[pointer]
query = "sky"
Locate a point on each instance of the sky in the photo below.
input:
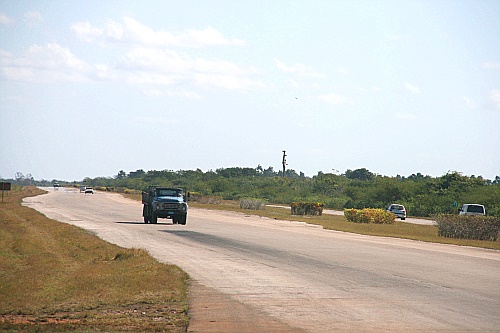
(89, 88)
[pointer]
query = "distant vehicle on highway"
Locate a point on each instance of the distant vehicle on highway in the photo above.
(164, 202)
(398, 210)
(83, 188)
(472, 209)
(89, 190)
(56, 185)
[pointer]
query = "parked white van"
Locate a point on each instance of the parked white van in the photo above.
(472, 209)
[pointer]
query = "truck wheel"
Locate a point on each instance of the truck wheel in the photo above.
(182, 219)
(154, 218)
(146, 219)
(175, 220)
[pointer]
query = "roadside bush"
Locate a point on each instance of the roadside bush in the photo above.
(369, 215)
(255, 204)
(211, 200)
(468, 227)
(307, 208)
(350, 214)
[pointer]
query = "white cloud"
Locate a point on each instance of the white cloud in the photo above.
(184, 94)
(141, 66)
(33, 18)
(86, 32)
(49, 63)
(228, 82)
(299, 69)
(132, 31)
(412, 88)
(495, 98)
(334, 99)
(6, 20)
(168, 67)
(406, 116)
(492, 65)
(151, 92)
(470, 103)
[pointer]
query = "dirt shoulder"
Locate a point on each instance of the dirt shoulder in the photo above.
(213, 311)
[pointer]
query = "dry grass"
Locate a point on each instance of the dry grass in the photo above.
(55, 277)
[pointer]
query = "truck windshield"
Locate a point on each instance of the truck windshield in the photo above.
(169, 193)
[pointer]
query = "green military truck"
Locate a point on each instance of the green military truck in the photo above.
(164, 202)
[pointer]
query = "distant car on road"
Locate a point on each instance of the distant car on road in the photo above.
(56, 185)
(89, 190)
(83, 188)
(472, 209)
(398, 210)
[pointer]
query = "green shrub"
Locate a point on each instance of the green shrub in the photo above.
(307, 208)
(350, 214)
(255, 204)
(369, 215)
(468, 227)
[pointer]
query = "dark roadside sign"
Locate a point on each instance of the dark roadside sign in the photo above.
(4, 186)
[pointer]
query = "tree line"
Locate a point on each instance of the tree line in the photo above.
(360, 188)
(422, 195)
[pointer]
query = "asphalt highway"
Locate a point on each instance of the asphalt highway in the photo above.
(309, 278)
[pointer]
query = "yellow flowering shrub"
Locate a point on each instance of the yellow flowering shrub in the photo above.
(369, 215)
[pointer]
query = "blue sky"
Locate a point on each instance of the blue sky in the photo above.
(398, 87)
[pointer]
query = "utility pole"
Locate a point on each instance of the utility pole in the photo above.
(284, 163)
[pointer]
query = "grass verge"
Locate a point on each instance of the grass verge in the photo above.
(55, 277)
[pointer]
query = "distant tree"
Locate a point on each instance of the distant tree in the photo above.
(121, 175)
(360, 174)
(417, 176)
(21, 179)
(136, 174)
(269, 172)
(236, 172)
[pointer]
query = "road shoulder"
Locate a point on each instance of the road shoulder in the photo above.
(213, 311)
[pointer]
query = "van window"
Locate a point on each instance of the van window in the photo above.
(475, 209)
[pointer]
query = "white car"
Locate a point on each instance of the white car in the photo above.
(89, 190)
(398, 210)
(472, 209)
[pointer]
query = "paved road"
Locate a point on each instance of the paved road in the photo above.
(309, 278)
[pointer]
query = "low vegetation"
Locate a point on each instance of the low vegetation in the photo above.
(468, 227)
(307, 208)
(255, 204)
(369, 215)
(55, 277)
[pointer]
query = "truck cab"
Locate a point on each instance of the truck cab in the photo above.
(164, 202)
